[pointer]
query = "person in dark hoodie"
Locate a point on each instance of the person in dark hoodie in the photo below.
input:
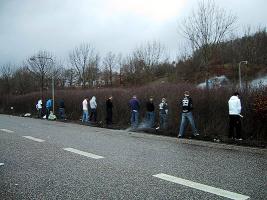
(150, 113)
(61, 110)
(109, 107)
(187, 107)
(135, 107)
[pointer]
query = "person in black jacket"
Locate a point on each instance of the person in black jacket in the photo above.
(109, 107)
(187, 106)
(61, 110)
(163, 114)
(150, 113)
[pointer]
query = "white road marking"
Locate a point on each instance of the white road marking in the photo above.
(1, 164)
(34, 139)
(202, 187)
(83, 153)
(7, 131)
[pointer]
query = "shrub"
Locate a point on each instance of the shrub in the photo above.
(210, 106)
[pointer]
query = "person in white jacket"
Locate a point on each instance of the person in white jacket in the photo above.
(235, 116)
(93, 106)
(85, 110)
(39, 108)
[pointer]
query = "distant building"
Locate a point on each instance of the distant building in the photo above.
(259, 82)
(99, 83)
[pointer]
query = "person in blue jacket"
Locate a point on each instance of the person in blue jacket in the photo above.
(135, 107)
(49, 105)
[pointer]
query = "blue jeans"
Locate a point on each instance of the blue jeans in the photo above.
(163, 121)
(134, 119)
(150, 119)
(85, 116)
(185, 118)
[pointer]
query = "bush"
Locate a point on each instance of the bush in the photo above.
(210, 107)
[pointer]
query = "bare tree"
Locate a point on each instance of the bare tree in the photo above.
(139, 67)
(92, 70)
(70, 76)
(133, 70)
(82, 58)
(110, 62)
(207, 27)
(60, 77)
(23, 81)
(151, 53)
(41, 65)
(6, 76)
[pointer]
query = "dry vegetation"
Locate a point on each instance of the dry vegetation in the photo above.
(210, 107)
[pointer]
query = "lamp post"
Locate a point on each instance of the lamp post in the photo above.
(239, 70)
(53, 82)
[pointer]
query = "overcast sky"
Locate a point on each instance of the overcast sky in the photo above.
(27, 26)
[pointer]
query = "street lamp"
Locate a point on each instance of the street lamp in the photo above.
(239, 69)
(53, 82)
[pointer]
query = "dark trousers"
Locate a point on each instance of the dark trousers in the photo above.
(39, 113)
(47, 112)
(93, 115)
(61, 112)
(109, 117)
(234, 125)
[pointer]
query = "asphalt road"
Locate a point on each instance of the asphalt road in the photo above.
(68, 161)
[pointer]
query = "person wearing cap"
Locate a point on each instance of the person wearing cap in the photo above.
(135, 107)
(235, 116)
(163, 114)
(187, 106)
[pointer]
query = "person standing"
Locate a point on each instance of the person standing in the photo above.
(135, 107)
(39, 108)
(109, 107)
(61, 110)
(49, 105)
(150, 114)
(187, 107)
(85, 110)
(93, 105)
(235, 116)
(163, 114)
